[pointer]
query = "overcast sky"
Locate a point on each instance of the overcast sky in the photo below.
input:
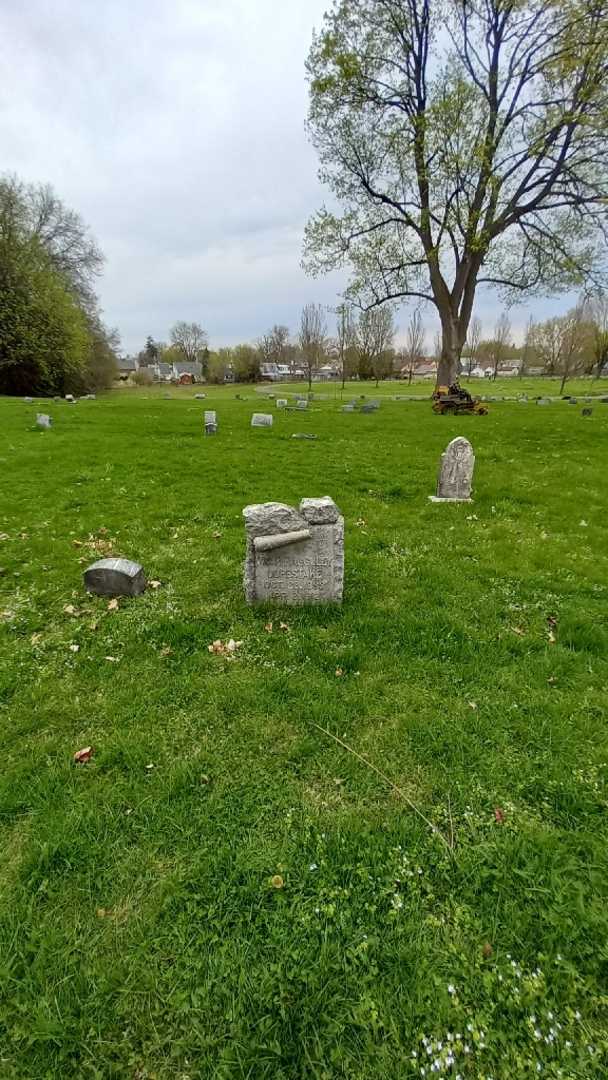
(176, 129)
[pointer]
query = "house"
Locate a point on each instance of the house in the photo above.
(163, 372)
(328, 371)
(476, 373)
(424, 369)
(269, 372)
(187, 372)
(127, 367)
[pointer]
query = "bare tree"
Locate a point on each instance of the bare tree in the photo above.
(598, 314)
(312, 338)
(528, 347)
(375, 335)
(500, 342)
(414, 344)
(190, 339)
(562, 342)
(475, 155)
(346, 338)
(473, 339)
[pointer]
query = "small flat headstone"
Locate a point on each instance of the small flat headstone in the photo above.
(455, 472)
(543, 401)
(303, 435)
(28, 400)
(369, 407)
(260, 419)
(302, 403)
(210, 422)
(281, 403)
(115, 577)
(70, 398)
(573, 401)
(200, 397)
(43, 420)
(348, 408)
(587, 412)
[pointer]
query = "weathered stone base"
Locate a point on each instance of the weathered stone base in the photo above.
(437, 498)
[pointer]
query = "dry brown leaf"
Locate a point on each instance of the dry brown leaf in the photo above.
(81, 757)
(76, 543)
(94, 626)
(69, 609)
(113, 604)
(499, 815)
(228, 649)
(552, 638)
(74, 648)
(154, 584)
(487, 950)
(35, 638)
(284, 626)
(339, 672)
(166, 651)
(217, 535)
(277, 881)
(113, 659)
(472, 704)
(268, 627)
(518, 630)
(101, 912)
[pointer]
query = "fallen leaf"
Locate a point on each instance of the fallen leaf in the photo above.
(487, 950)
(150, 766)
(94, 626)
(113, 604)
(339, 672)
(69, 609)
(268, 627)
(4, 536)
(552, 620)
(155, 584)
(6, 614)
(552, 638)
(81, 757)
(518, 630)
(277, 881)
(217, 535)
(76, 543)
(113, 659)
(583, 524)
(472, 704)
(205, 779)
(166, 651)
(101, 912)
(220, 649)
(499, 815)
(552, 679)
(35, 638)
(284, 626)
(74, 648)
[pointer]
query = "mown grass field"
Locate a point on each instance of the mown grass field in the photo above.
(226, 892)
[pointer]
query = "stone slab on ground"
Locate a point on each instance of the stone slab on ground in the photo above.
(115, 577)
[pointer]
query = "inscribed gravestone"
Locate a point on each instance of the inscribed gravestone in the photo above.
(210, 422)
(455, 472)
(302, 403)
(281, 403)
(294, 556)
(43, 420)
(260, 419)
(115, 577)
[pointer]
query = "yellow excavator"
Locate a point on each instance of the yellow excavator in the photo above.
(454, 399)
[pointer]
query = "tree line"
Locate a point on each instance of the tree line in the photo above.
(52, 336)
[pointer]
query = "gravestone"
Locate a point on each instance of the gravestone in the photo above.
(43, 420)
(294, 556)
(210, 422)
(260, 419)
(281, 403)
(543, 401)
(302, 435)
(300, 397)
(302, 403)
(370, 406)
(115, 577)
(455, 472)
(28, 400)
(70, 398)
(587, 412)
(348, 408)
(200, 397)
(573, 401)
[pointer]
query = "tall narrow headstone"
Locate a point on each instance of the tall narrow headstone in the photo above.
(294, 556)
(210, 422)
(455, 472)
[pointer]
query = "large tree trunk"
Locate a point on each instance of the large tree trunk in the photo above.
(452, 341)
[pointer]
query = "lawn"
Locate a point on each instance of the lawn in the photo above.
(225, 891)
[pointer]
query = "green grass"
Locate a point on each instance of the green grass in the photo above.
(140, 933)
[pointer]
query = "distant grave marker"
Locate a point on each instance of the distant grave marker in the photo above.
(260, 419)
(210, 422)
(43, 420)
(281, 403)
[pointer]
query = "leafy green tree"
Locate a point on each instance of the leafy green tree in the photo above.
(464, 142)
(246, 363)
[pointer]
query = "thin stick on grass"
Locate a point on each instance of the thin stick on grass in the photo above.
(388, 781)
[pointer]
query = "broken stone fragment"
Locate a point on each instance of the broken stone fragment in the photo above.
(319, 511)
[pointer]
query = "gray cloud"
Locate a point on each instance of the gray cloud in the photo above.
(177, 130)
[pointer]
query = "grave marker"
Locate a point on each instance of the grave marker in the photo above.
(43, 420)
(210, 422)
(115, 577)
(260, 419)
(294, 556)
(455, 472)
